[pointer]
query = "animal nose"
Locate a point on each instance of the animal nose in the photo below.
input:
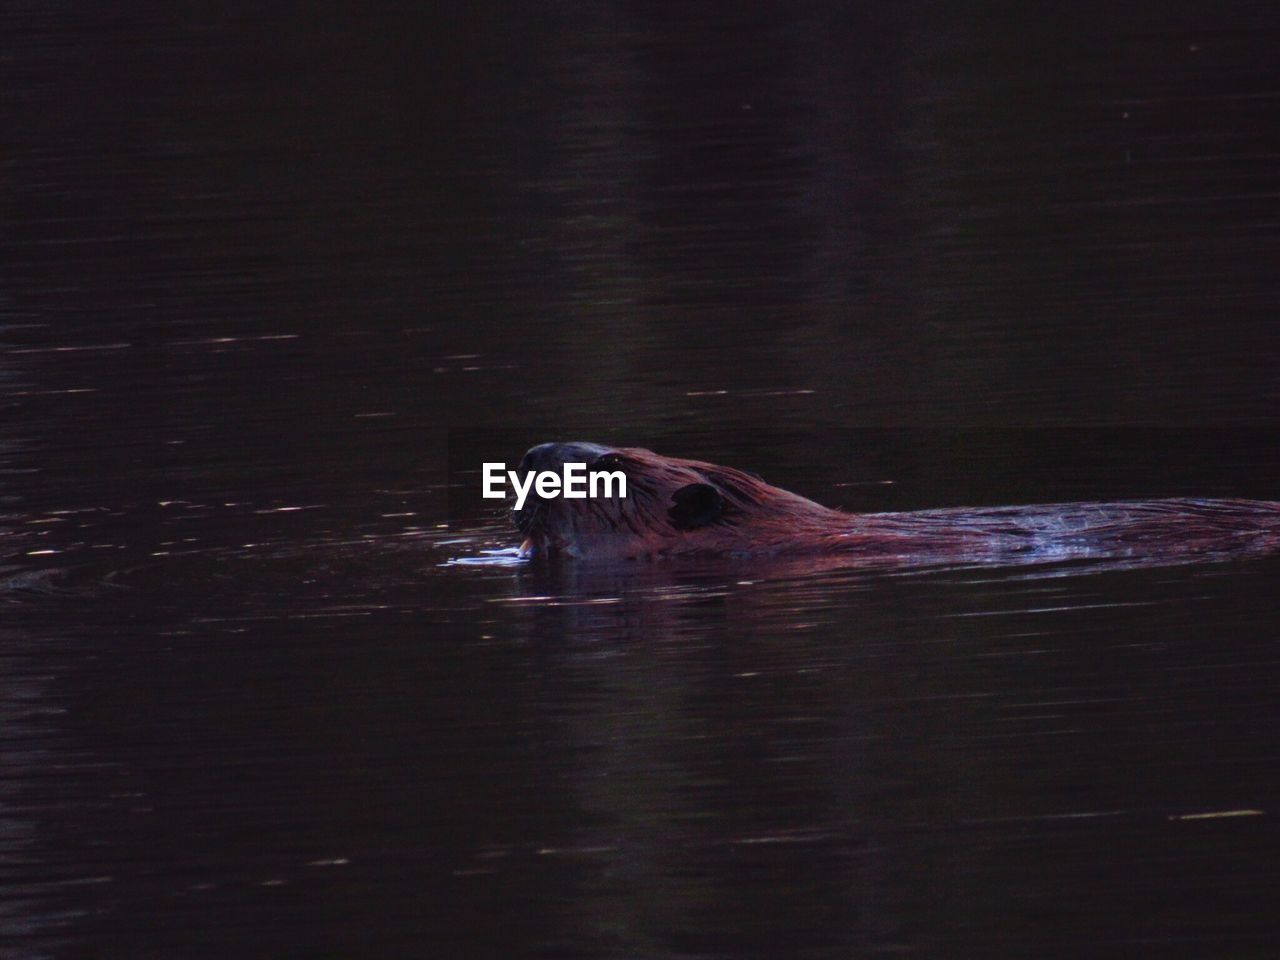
(541, 457)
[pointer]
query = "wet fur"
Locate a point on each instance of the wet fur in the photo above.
(679, 507)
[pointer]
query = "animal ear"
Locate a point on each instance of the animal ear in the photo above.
(695, 505)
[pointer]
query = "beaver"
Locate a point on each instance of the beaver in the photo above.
(677, 507)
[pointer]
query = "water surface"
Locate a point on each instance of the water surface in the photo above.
(275, 282)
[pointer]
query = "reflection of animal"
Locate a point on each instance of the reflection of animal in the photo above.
(685, 507)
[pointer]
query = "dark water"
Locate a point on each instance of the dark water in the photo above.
(275, 280)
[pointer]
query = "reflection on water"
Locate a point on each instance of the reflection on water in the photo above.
(266, 279)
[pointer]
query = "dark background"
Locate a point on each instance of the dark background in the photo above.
(275, 279)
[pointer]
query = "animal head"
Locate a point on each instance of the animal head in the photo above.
(672, 506)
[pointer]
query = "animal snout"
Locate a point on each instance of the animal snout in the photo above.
(553, 456)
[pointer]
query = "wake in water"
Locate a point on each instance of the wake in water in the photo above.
(1143, 533)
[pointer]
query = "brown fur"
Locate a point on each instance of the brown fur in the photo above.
(681, 507)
